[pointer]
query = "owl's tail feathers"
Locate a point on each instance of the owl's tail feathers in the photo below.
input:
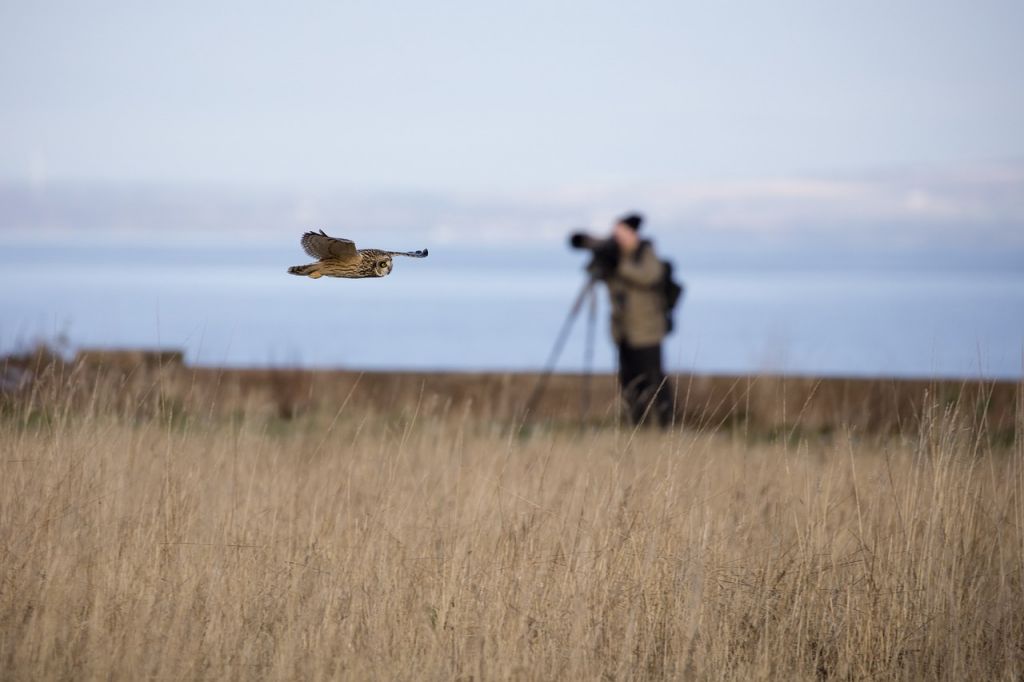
(311, 270)
(422, 253)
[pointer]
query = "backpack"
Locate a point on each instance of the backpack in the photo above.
(673, 292)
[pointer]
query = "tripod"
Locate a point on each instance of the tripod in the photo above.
(587, 295)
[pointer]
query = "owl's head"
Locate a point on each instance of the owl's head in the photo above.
(381, 266)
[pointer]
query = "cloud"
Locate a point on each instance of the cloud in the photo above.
(968, 196)
(906, 206)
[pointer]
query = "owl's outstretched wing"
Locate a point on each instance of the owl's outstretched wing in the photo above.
(422, 253)
(320, 245)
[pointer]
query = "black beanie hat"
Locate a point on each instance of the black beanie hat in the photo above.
(632, 220)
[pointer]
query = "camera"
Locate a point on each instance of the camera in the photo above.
(604, 254)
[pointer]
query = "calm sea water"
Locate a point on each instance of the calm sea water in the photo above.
(467, 310)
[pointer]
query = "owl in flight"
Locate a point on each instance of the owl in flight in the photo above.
(340, 258)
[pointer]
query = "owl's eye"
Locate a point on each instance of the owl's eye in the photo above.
(382, 264)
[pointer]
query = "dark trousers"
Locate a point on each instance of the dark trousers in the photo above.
(647, 395)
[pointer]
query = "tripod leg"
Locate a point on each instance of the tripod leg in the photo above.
(563, 336)
(588, 356)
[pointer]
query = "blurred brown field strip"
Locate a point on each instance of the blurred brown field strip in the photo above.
(757, 404)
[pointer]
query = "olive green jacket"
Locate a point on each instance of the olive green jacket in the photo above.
(637, 300)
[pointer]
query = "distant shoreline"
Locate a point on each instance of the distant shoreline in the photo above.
(714, 374)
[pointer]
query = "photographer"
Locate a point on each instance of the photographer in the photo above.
(634, 275)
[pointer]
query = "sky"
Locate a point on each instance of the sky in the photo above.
(503, 99)
(876, 144)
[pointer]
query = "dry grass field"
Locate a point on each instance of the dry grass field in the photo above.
(194, 540)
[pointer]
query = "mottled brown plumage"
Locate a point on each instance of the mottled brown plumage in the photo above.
(340, 258)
